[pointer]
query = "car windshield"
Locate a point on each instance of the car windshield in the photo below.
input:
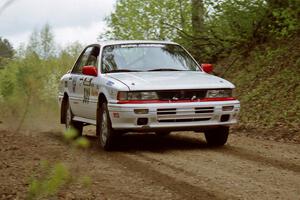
(146, 57)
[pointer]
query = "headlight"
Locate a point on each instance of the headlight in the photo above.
(137, 96)
(219, 93)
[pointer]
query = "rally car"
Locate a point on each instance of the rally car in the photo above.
(145, 86)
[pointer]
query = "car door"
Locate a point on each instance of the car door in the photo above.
(75, 84)
(89, 82)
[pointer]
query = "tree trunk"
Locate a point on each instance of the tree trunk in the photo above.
(182, 19)
(198, 27)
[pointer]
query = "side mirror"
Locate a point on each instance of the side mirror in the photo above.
(208, 68)
(89, 70)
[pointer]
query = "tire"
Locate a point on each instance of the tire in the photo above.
(217, 136)
(106, 134)
(70, 123)
(162, 133)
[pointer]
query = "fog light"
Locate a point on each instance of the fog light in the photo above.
(225, 118)
(141, 111)
(142, 121)
(227, 108)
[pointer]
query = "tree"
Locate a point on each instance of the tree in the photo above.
(198, 29)
(151, 19)
(42, 43)
(6, 51)
(209, 29)
(283, 17)
(197, 17)
(181, 21)
(47, 42)
(73, 49)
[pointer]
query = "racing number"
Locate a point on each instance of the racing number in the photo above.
(86, 95)
(87, 90)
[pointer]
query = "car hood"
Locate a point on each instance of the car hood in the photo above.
(170, 80)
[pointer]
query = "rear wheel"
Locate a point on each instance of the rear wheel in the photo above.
(217, 136)
(107, 135)
(70, 124)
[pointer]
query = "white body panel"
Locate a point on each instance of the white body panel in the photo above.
(128, 119)
(171, 80)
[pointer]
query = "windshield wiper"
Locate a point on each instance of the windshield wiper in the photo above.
(164, 69)
(122, 70)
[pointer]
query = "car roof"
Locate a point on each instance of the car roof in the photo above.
(115, 42)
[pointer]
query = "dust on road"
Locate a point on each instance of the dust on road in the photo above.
(146, 166)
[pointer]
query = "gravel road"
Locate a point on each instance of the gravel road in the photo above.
(146, 166)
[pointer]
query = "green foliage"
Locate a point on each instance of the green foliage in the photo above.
(286, 22)
(284, 17)
(268, 86)
(6, 49)
(29, 81)
(236, 20)
(6, 52)
(70, 134)
(42, 43)
(151, 19)
(7, 83)
(72, 51)
(82, 142)
(211, 32)
(55, 178)
(52, 179)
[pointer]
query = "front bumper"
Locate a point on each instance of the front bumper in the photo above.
(174, 116)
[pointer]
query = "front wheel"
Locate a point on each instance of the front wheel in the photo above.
(70, 124)
(106, 133)
(217, 136)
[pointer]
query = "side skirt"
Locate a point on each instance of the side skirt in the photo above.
(85, 120)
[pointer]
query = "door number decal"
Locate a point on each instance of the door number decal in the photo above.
(87, 90)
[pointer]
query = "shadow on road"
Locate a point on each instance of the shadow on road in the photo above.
(154, 143)
(135, 143)
(146, 142)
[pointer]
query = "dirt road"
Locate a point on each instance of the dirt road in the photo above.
(180, 166)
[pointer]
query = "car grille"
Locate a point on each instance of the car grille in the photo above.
(181, 94)
(184, 114)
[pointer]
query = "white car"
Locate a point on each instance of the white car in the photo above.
(145, 86)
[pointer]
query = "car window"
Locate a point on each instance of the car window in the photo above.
(146, 57)
(82, 61)
(88, 58)
(93, 57)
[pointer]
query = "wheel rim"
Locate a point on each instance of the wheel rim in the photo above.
(104, 128)
(68, 118)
